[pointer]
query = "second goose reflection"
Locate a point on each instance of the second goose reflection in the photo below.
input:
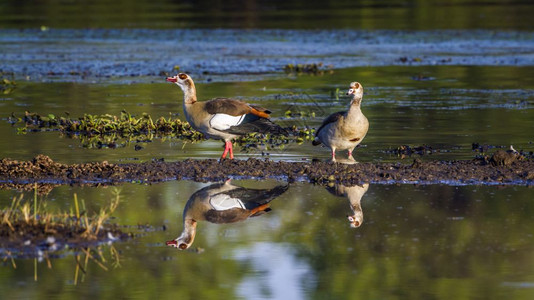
(354, 194)
(223, 203)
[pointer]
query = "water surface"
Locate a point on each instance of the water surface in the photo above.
(455, 107)
(388, 14)
(415, 242)
(107, 55)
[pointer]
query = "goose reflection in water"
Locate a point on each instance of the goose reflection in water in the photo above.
(355, 194)
(223, 203)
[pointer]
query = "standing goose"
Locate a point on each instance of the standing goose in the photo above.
(344, 130)
(223, 118)
(222, 203)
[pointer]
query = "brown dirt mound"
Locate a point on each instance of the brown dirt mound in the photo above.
(44, 170)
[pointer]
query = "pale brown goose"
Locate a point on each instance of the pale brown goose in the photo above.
(223, 118)
(223, 203)
(346, 129)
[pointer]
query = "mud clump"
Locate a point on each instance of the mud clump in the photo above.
(503, 158)
(43, 170)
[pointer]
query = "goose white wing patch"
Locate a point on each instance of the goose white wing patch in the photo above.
(224, 121)
(225, 202)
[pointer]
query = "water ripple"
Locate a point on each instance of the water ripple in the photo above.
(86, 54)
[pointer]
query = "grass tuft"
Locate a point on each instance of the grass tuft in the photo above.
(18, 225)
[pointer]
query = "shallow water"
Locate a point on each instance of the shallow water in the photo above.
(457, 106)
(443, 88)
(415, 242)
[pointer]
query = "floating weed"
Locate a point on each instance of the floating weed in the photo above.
(337, 93)
(111, 131)
(313, 69)
(7, 82)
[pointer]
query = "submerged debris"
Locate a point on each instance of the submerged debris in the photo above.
(406, 150)
(483, 148)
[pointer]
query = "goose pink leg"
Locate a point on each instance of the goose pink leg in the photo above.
(231, 150)
(228, 149)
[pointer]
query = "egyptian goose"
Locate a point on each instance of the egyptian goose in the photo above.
(223, 118)
(346, 129)
(355, 194)
(223, 203)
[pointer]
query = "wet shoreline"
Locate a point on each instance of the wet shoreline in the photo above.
(46, 173)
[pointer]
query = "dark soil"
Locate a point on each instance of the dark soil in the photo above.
(484, 170)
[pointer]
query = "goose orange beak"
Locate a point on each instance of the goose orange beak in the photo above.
(172, 243)
(172, 79)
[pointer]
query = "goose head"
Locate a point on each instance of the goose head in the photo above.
(355, 220)
(185, 240)
(183, 80)
(356, 90)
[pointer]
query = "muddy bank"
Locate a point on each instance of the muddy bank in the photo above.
(43, 170)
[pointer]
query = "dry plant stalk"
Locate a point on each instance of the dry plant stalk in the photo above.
(20, 211)
(26, 212)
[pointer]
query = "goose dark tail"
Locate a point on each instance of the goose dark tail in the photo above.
(255, 197)
(316, 142)
(256, 124)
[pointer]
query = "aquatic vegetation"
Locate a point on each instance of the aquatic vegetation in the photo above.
(299, 114)
(124, 124)
(111, 131)
(313, 69)
(7, 82)
(29, 227)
